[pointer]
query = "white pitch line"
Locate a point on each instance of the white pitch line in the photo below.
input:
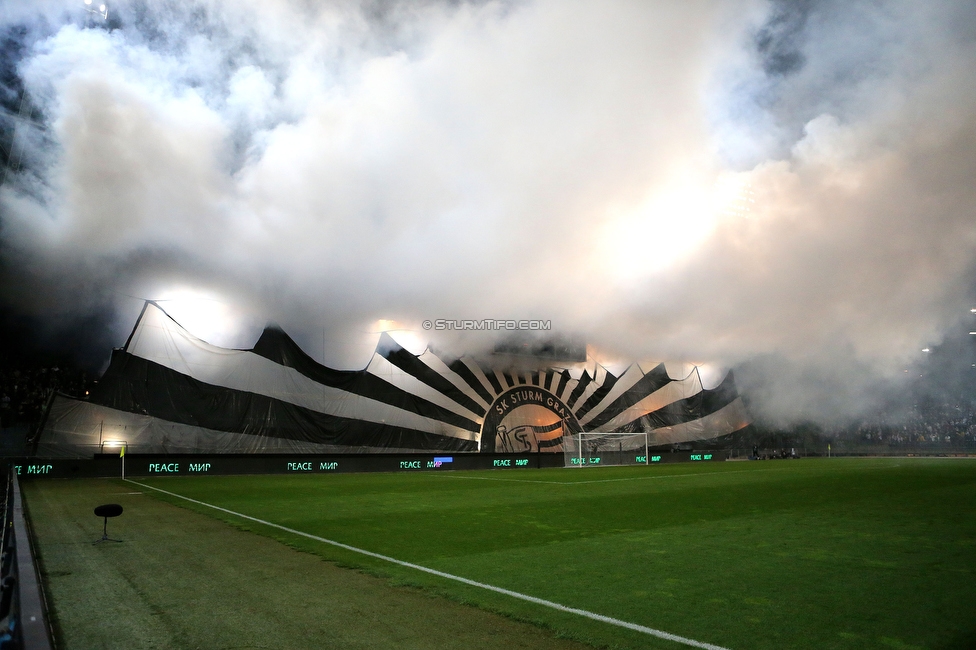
(514, 594)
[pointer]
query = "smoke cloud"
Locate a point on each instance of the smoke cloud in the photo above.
(778, 186)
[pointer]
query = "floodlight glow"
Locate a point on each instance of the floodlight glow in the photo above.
(205, 314)
(407, 337)
(112, 443)
(925, 350)
(677, 216)
(101, 8)
(88, 2)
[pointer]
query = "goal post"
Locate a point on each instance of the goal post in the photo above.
(588, 448)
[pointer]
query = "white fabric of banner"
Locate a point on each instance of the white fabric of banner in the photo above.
(671, 392)
(631, 376)
(159, 339)
(727, 419)
(434, 362)
(382, 368)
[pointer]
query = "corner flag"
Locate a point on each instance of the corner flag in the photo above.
(122, 452)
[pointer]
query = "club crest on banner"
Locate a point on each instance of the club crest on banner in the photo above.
(527, 419)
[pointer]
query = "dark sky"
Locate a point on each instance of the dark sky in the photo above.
(781, 187)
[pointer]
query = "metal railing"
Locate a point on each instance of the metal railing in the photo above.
(23, 624)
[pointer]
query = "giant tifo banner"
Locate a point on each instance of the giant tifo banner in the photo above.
(167, 391)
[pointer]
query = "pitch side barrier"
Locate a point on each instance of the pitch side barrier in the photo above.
(23, 621)
(142, 465)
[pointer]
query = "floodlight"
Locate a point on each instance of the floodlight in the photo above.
(101, 8)
(925, 350)
(88, 2)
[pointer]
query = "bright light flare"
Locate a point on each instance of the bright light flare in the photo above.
(711, 375)
(385, 325)
(407, 337)
(206, 315)
(671, 223)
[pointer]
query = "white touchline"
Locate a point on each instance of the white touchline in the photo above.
(514, 594)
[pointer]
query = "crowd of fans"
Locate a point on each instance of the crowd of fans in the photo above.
(24, 392)
(940, 425)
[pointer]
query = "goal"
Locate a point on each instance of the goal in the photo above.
(585, 449)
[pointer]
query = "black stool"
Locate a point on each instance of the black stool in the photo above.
(107, 510)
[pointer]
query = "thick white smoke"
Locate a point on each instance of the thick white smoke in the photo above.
(698, 181)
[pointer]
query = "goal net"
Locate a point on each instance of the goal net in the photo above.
(584, 449)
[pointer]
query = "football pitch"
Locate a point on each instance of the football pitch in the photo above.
(826, 553)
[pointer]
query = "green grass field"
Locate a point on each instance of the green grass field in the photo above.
(842, 553)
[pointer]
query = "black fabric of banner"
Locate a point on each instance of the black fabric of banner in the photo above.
(136, 385)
